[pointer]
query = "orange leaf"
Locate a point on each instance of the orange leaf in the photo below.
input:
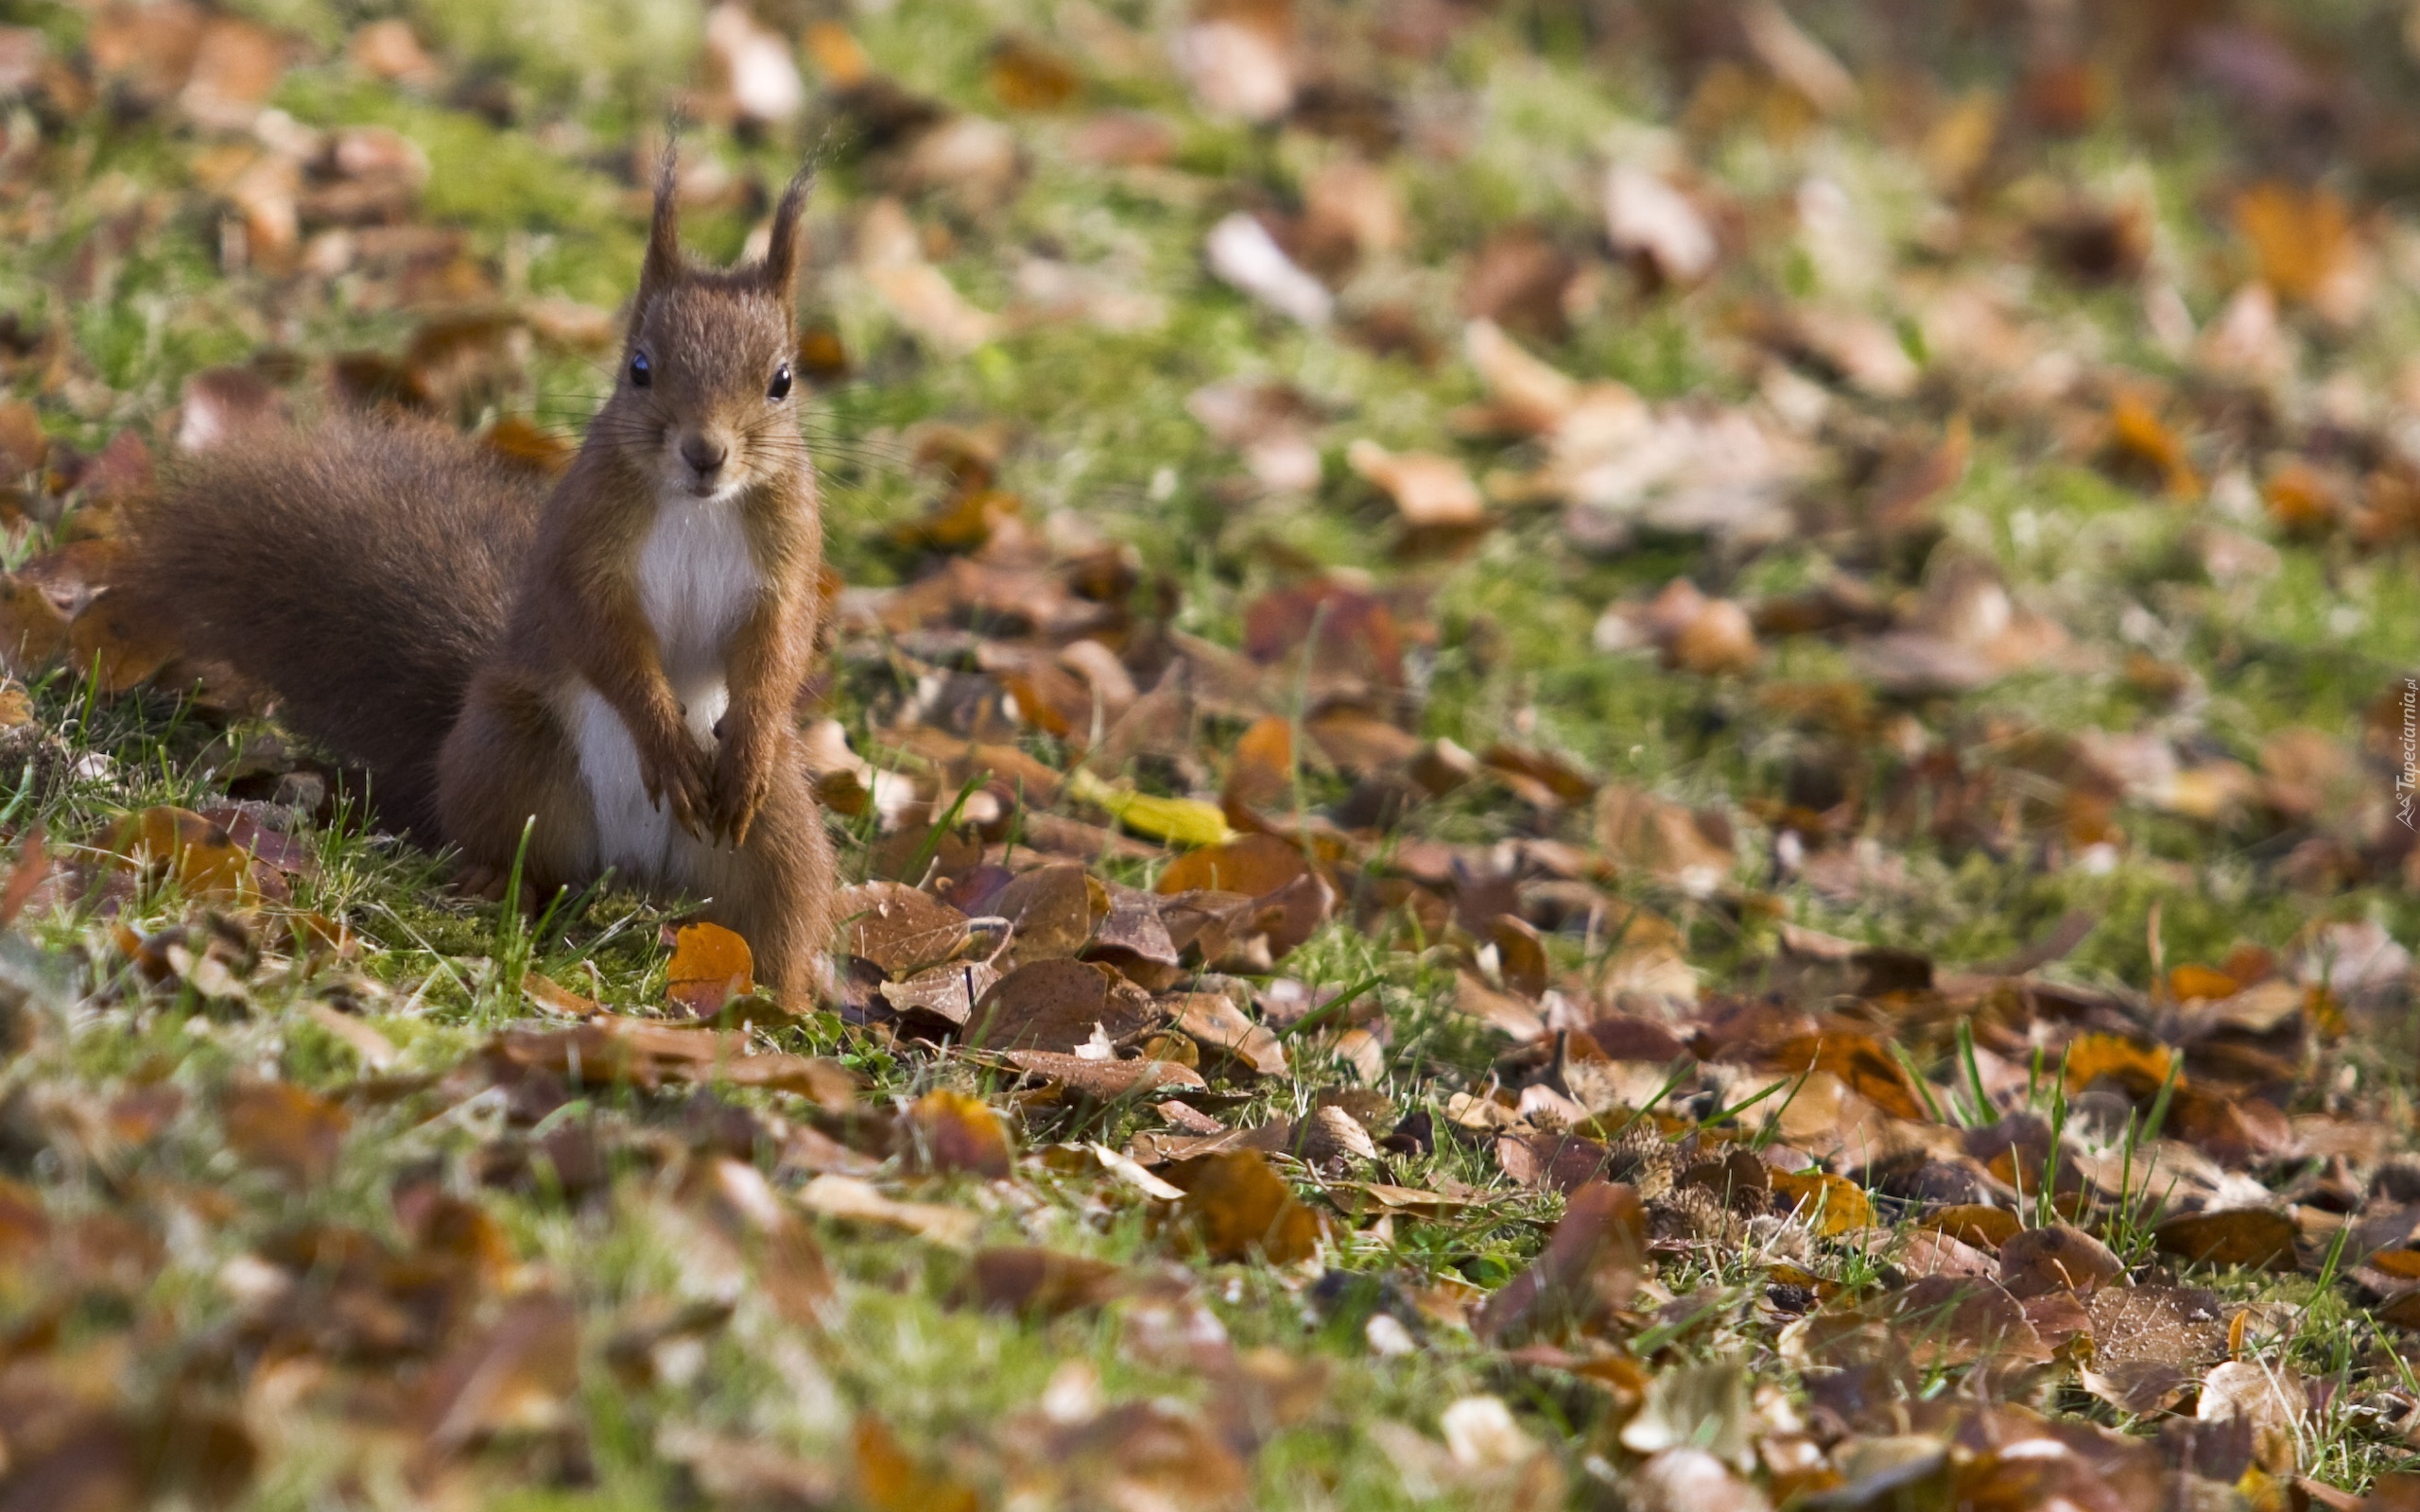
(1026, 78)
(32, 630)
(1256, 866)
(959, 1133)
(198, 854)
(2139, 435)
(1843, 1204)
(109, 641)
(2187, 983)
(1263, 767)
(2299, 239)
(710, 967)
(889, 1481)
(2140, 1068)
(1859, 1060)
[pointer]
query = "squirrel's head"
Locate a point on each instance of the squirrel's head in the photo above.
(706, 391)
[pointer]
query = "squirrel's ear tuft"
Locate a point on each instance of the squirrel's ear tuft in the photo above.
(664, 232)
(781, 251)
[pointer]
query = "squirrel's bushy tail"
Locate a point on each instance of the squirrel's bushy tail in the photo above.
(359, 571)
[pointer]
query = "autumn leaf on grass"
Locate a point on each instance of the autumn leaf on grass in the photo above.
(114, 645)
(1255, 866)
(280, 1126)
(1431, 493)
(1705, 1406)
(1708, 636)
(2140, 440)
(2239, 1236)
(889, 1481)
(1239, 1206)
(2039, 1262)
(1184, 822)
(1039, 1282)
(1833, 1204)
(555, 998)
(855, 1201)
(955, 1132)
(2305, 244)
(199, 855)
(1861, 1061)
(1025, 75)
(1591, 1265)
(710, 967)
(2140, 1068)
(518, 1375)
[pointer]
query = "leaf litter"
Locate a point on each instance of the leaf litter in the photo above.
(1671, 754)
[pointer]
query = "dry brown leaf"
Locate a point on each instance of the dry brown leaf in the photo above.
(859, 1201)
(1106, 1081)
(1212, 1020)
(520, 1374)
(1025, 75)
(197, 855)
(889, 1481)
(1056, 1005)
(901, 929)
(1239, 1208)
(2039, 1262)
(1592, 1264)
(280, 1126)
(1859, 1060)
(1431, 493)
(555, 997)
(2241, 1236)
(1040, 1282)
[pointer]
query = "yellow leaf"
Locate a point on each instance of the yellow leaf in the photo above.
(1185, 821)
(1834, 1204)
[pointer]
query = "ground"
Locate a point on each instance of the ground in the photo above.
(1643, 754)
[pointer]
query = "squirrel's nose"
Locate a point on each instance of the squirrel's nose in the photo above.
(702, 453)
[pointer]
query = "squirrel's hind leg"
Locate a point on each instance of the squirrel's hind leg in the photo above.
(508, 769)
(779, 888)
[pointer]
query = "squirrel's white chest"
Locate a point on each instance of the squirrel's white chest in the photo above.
(697, 582)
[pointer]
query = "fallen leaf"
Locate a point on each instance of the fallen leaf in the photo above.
(1834, 1205)
(1040, 1282)
(1431, 493)
(2241, 1236)
(280, 1126)
(1592, 1263)
(1240, 1208)
(889, 1481)
(520, 1374)
(959, 1133)
(1241, 252)
(710, 967)
(858, 1201)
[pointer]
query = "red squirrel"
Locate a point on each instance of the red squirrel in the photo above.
(610, 664)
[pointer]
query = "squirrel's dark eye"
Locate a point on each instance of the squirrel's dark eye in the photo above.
(781, 386)
(642, 372)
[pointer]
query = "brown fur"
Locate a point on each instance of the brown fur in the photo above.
(362, 572)
(508, 762)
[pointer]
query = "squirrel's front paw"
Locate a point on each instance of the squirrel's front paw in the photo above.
(740, 782)
(679, 777)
